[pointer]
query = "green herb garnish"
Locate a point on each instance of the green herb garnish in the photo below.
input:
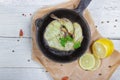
(64, 40)
(69, 38)
(76, 45)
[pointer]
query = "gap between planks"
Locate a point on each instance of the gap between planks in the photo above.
(14, 37)
(31, 37)
(22, 67)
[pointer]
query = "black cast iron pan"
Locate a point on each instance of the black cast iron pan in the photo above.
(73, 15)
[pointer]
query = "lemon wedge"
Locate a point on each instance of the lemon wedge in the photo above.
(87, 61)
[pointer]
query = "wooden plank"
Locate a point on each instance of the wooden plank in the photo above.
(106, 17)
(31, 2)
(116, 75)
(11, 18)
(17, 65)
(23, 74)
(16, 52)
(34, 74)
(117, 44)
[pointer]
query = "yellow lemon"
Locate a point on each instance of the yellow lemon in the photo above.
(97, 64)
(103, 48)
(87, 61)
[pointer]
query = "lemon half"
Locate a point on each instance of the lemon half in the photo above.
(103, 48)
(99, 49)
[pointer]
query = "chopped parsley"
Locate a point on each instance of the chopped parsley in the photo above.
(64, 40)
(76, 45)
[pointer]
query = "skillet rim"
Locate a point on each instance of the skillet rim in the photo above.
(42, 20)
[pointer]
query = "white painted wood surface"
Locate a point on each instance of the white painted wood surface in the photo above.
(15, 53)
(23, 74)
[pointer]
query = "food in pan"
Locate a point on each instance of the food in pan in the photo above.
(63, 34)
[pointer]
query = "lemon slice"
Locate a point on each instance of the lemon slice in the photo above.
(97, 64)
(103, 48)
(87, 61)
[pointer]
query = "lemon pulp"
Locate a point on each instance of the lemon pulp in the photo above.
(87, 61)
(97, 64)
(99, 50)
(103, 48)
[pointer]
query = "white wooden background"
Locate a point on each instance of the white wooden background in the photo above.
(15, 52)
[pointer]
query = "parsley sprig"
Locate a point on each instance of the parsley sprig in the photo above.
(64, 40)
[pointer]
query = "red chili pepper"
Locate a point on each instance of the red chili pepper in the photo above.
(65, 78)
(21, 33)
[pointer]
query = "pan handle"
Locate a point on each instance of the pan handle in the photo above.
(82, 6)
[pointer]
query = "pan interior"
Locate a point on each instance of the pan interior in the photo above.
(63, 56)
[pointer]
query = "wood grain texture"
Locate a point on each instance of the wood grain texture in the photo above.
(16, 52)
(31, 2)
(107, 10)
(23, 74)
(22, 52)
(106, 14)
(11, 20)
(56, 70)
